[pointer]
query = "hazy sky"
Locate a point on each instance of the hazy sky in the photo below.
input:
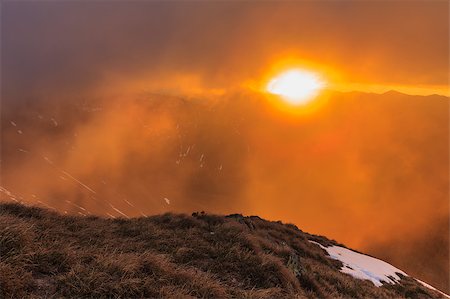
(217, 45)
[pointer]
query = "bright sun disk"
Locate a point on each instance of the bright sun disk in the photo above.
(296, 86)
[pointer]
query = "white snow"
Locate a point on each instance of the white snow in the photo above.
(78, 181)
(129, 203)
(8, 193)
(55, 123)
(118, 211)
(431, 287)
(363, 266)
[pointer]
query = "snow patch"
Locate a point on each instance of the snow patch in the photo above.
(432, 288)
(363, 266)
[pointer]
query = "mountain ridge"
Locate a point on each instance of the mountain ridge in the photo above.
(48, 255)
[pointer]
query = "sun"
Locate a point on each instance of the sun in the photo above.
(296, 87)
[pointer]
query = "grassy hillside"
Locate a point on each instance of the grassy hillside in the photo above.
(47, 255)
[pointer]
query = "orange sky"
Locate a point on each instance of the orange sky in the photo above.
(360, 45)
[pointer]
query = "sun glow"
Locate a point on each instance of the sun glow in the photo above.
(296, 87)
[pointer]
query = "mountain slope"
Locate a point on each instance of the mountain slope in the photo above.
(44, 254)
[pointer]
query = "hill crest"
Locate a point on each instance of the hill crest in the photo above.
(45, 254)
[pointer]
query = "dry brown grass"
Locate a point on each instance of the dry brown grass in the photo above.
(46, 255)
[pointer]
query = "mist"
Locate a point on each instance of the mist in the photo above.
(358, 170)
